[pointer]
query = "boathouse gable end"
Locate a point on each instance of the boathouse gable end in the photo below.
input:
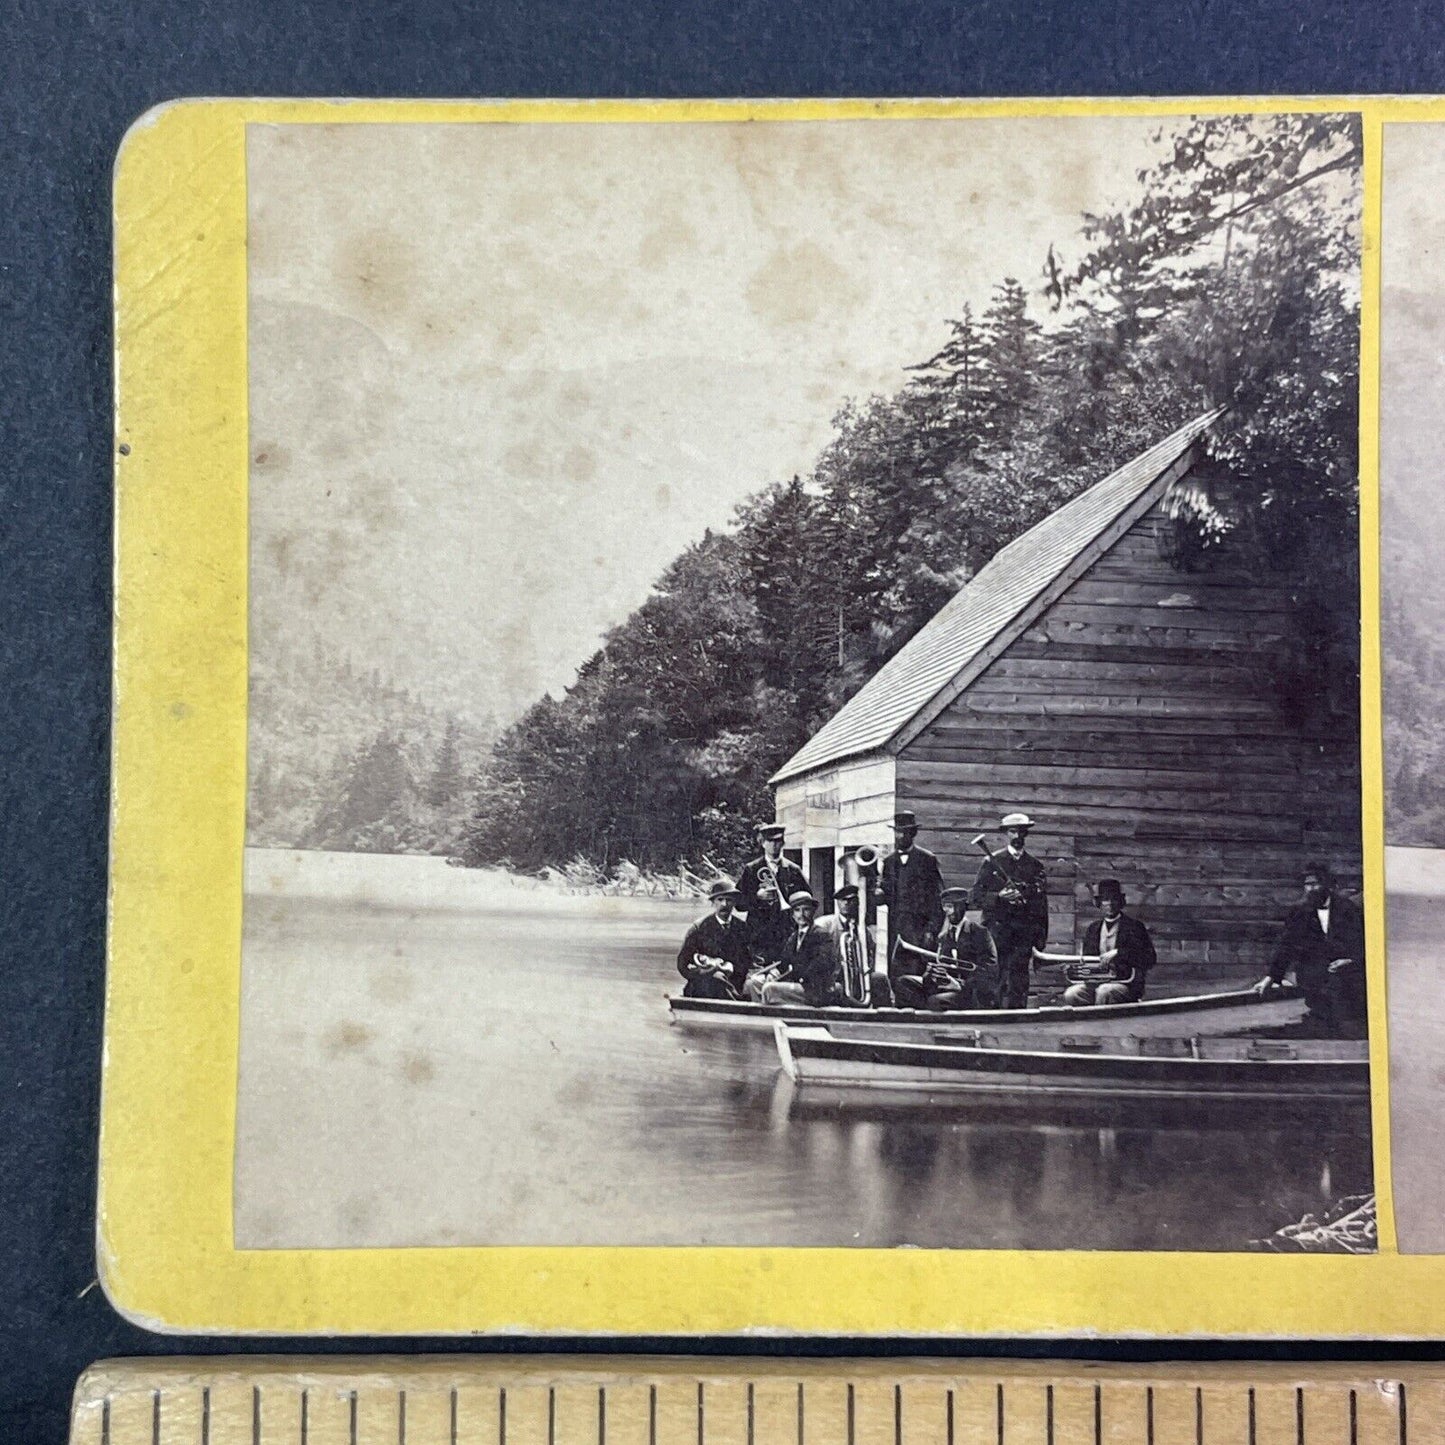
(1135, 706)
(1139, 718)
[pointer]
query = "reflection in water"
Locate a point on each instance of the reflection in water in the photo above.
(557, 1104)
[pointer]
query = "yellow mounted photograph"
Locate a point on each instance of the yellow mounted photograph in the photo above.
(778, 717)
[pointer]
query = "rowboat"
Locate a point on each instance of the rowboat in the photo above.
(1157, 1067)
(1240, 1011)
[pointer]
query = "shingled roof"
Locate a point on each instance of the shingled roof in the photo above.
(1012, 580)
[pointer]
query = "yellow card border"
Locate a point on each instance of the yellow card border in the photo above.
(168, 1114)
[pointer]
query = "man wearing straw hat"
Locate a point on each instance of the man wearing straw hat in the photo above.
(1013, 892)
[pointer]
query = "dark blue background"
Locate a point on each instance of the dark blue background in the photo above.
(71, 79)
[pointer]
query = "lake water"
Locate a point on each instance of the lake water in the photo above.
(432, 1055)
(1415, 921)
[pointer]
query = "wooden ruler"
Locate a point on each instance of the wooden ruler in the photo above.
(536, 1400)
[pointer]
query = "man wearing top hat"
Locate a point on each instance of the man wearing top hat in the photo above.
(765, 901)
(912, 889)
(1012, 890)
(964, 970)
(714, 956)
(1122, 945)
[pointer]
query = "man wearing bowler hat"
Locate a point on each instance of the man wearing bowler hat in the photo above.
(912, 889)
(810, 970)
(714, 955)
(1013, 892)
(766, 884)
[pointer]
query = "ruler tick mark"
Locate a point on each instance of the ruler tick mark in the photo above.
(998, 1410)
(898, 1415)
(750, 1412)
(255, 1415)
(1198, 1416)
(1149, 1414)
(1049, 1414)
(652, 1415)
(206, 1415)
(1251, 1416)
(155, 1417)
(1354, 1418)
(851, 1436)
(1098, 1415)
(800, 1414)
(1299, 1416)
(949, 1416)
(502, 1416)
(305, 1414)
(105, 1421)
(552, 1416)
(602, 1415)
(352, 1430)
(1404, 1429)
(700, 1421)
(454, 1415)
(401, 1417)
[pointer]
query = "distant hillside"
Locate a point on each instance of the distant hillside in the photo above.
(1412, 467)
(340, 758)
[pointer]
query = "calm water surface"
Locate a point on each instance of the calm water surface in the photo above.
(431, 1057)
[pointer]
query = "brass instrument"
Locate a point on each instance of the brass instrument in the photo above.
(857, 977)
(1012, 892)
(768, 877)
(1079, 967)
(935, 956)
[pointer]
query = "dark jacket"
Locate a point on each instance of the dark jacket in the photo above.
(767, 922)
(708, 936)
(1308, 951)
(913, 893)
(974, 944)
(1028, 919)
(1134, 952)
(817, 963)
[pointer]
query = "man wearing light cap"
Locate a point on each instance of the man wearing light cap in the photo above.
(1013, 892)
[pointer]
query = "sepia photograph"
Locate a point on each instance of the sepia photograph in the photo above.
(1412, 600)
(804, 684)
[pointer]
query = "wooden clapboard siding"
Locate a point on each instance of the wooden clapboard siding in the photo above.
(1139, 719)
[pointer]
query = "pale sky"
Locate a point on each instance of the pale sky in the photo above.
(501, 374)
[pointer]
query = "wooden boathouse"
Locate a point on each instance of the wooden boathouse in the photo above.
(1150, 704)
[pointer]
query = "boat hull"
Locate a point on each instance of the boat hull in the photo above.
(1310, 1070)
(1241, 1011)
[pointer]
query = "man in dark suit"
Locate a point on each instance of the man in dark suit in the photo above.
(912, 890)
(964, 971)
(1323, 944)
(766, 902)
(809, 971)
(1122, 945)
(714, 956)
(1013, 893)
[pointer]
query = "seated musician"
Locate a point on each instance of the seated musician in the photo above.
(1323, 943)
(714, 956)
(1124, 950)
(809, 971)
(963, 969)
